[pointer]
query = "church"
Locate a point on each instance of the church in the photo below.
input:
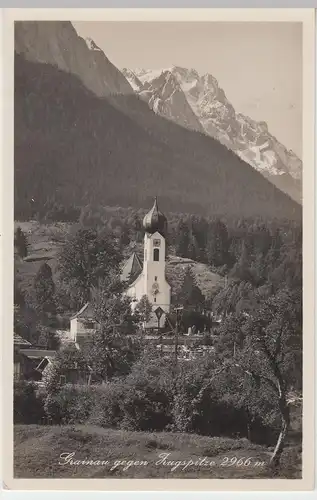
(149, 279)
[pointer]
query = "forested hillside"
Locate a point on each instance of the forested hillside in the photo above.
(75, 148)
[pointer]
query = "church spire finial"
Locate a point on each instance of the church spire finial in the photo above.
(155, 220)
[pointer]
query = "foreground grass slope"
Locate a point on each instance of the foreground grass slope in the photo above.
(37, 451)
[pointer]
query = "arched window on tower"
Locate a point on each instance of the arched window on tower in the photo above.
(156, 254)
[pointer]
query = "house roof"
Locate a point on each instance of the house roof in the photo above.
(20, 341)
(85, 312)
(132, 268)
(37, 353)
(38, 257)
(134, 282)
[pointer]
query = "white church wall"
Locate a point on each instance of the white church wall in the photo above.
(157, 288)
(73, 329)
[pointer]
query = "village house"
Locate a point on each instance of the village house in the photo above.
(27, 359)
(73, 374)
(82, 325)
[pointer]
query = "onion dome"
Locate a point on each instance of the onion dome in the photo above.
(155, 221)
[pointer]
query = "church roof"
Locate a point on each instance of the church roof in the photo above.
(132, 268)
(155, 221)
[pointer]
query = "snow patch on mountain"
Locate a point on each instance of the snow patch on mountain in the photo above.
(175, 92)
(92, 45)
(164, 95)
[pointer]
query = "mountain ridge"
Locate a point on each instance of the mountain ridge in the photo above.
(182, 95)
(250, 139)
(57, 43)
(81, 149)
(82, 135)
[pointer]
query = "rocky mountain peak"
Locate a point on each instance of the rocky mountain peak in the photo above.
(177, 93)
(163, 93)
(57, 43)
(249, 139)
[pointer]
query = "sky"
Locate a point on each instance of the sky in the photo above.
(258, 64)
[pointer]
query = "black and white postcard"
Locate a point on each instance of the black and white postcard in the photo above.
(158, 241)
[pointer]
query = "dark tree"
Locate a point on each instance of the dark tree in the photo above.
(124, 236)
(277, 244)
(183, 239)
(266, 349)
(194, 252)
(47, 338)
(137, 228)
(218, 244)
(87, 258)
(20, 243)
(44, 291)
(190, 295)
(112, 350)
(242, 269)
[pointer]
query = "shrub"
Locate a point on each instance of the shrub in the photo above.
(28, 405)
(194, 409)
(106, 410)
(145, 407)
(147, 394)
(71, 404)
(155, 397)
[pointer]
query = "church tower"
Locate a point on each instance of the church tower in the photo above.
(157, 290)
(152, 281)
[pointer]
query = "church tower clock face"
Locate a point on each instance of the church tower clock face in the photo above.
(155, 288)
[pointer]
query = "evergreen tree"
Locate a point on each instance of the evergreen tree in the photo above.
(47, 338)
(277, 244)
(137, 228)
(25, 322)
(20, 243)
(190, 295)
(241, 270)
(258, 269)
(193, 249)
(262, 238)
(124, 236)
(183, 239)
(44, 291)
(200, 230)
(19, 299)
(218, 244)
